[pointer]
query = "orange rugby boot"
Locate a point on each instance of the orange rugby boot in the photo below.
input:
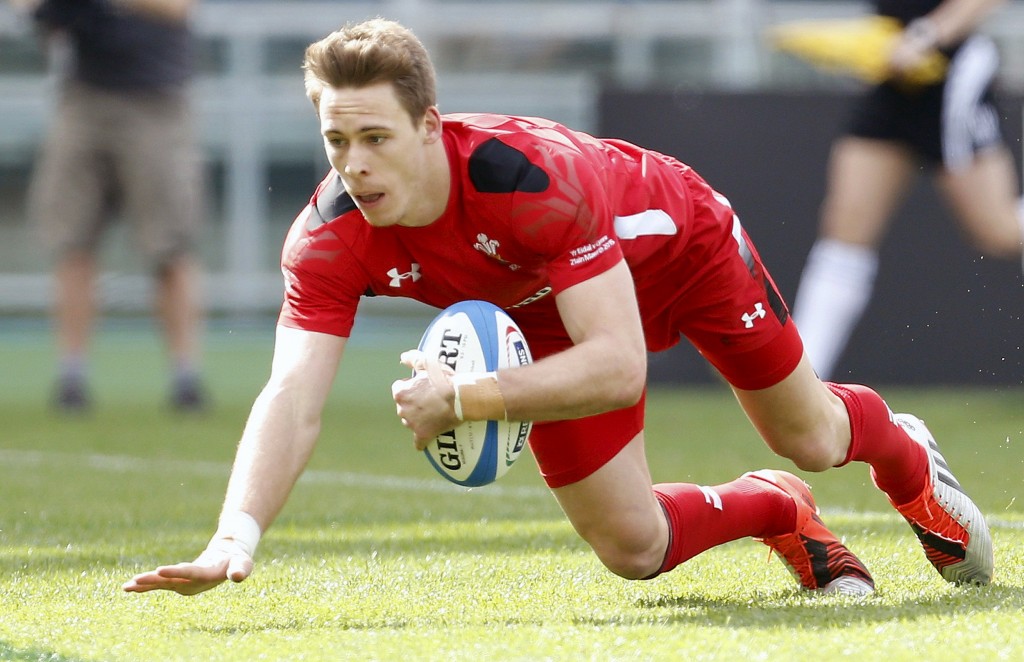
(812, 553)
(951, 529)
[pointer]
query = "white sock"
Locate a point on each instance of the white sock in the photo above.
(834, 291)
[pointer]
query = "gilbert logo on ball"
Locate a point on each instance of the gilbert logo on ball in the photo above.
(471, 337)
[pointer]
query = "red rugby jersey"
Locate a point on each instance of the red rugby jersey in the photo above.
(534, 208)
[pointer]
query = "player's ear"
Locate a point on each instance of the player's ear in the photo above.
(432, 125)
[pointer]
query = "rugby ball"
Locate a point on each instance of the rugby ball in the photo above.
(476, 336)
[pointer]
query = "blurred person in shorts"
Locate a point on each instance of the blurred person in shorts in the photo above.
(122, 140)
(951, 127)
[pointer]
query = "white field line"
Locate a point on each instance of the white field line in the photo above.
(124, 464)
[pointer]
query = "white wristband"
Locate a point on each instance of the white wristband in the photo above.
(459, 380)
(241, 527)
(482, 398)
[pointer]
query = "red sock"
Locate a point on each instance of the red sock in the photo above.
(900, 464)
(700, 518)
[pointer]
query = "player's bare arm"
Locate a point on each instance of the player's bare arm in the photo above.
(284, 424)
(605, 369)
(278, 440)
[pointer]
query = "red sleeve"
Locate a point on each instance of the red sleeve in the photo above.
(321, 287)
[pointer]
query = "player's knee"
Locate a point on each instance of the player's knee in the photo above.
(629, 557)
(817, 440)
(630, 565)
(811, 451)
(812, 459)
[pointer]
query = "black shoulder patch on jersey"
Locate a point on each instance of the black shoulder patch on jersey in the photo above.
(494, 167)
(332, 202)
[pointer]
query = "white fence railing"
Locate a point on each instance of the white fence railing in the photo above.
(251, 117)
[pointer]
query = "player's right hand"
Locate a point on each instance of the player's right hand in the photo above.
(222, 559)
(424, 402)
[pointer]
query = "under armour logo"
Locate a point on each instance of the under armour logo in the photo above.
(397, 278)
(748, 318)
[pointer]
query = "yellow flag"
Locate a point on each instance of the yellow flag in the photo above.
(858, 47)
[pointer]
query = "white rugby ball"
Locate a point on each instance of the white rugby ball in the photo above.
(476, 336)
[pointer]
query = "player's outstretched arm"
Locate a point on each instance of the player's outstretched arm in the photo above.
(278, 440)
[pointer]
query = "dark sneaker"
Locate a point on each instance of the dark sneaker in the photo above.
(951, 529)
(71, 396)
(188, 395)
(812, 553)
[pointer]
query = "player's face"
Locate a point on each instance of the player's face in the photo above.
(383, 156)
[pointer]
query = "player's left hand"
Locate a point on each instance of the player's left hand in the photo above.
(424, 402)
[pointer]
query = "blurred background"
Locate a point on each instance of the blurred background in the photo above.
(694, 78)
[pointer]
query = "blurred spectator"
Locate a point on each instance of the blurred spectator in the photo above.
(122, 137)
(951, 126)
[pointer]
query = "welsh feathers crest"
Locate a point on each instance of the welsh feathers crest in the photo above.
(489, 247)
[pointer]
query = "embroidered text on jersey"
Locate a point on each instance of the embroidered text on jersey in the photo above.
(588, 252)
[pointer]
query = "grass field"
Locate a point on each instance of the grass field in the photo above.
(376, 558)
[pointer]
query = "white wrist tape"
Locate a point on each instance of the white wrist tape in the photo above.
(240, 527)
(478, 397)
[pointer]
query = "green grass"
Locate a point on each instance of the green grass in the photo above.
(377, 558)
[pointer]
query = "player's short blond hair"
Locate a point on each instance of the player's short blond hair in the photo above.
(374, 51)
